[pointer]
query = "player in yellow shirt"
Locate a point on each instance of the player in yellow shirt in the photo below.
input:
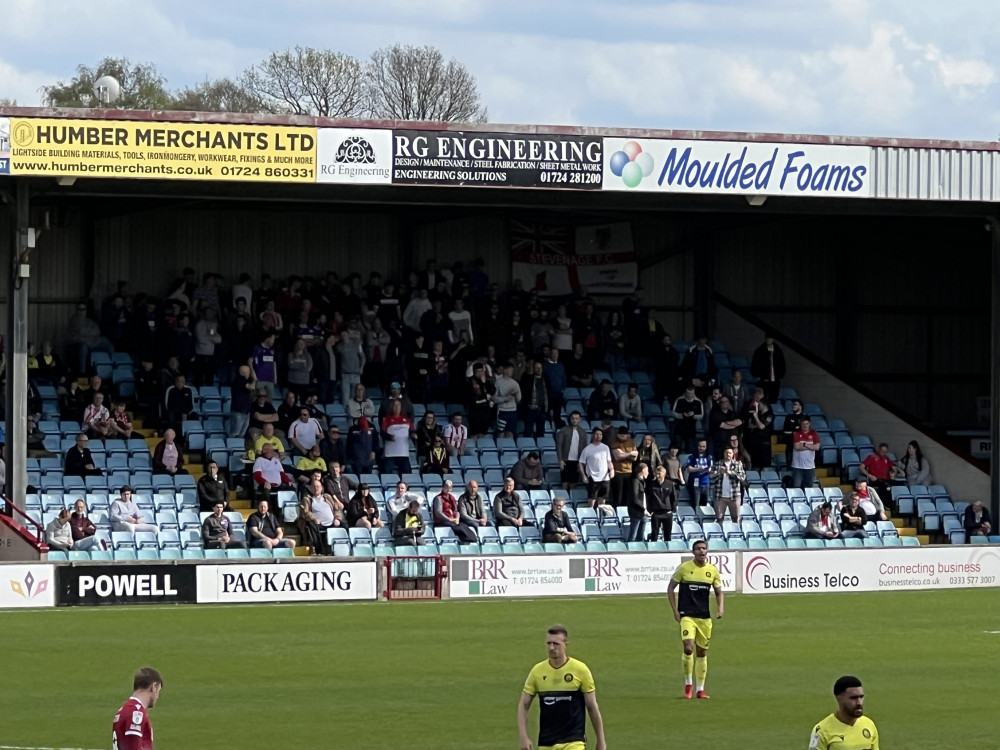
(565, 688)
(695, 578)
(848, 728)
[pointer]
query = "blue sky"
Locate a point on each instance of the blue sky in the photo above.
(905, 68)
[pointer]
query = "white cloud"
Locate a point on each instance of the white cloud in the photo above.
(21, 86)
(968, 77)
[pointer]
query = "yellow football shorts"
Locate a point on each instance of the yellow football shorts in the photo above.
(565, 746)
(697, 629)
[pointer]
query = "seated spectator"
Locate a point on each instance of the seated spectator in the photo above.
(603, 402)
(212, 488)
(427, 431)
(168, 458)
(305, 432)
(309, 463)
(438, 461)
(913, 467)
(977, 521)
(363, 446)
(456, 435)
(362, 511)
(34, 439)
(72, 402)
(408, 526)
(507, 506)
(217, 530)
(330, 447)
(359, 405)
(126, 516)
(264, 530)
(853, 518)
(726, 479)
(822, 523)
(879, 470)
(262, 412)
(96, 418)
(318, 511)
(98, 385)
(470, 506)
(337, 484)
(178, 403)
(120, 423)
(269, 475)
(396, 432)
(288, 412)
(649, 453)
(401, 499)
(871, 503)
(579, 370)
(59, 534)
(630, 404)
(528, 473)
(79, 462)
(83, 529)
(446, 514)
(268, 437)
(661, 502)
(311, 404)
(557, 527)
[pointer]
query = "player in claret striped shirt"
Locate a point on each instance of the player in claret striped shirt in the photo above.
(565, 688)
(131, 729)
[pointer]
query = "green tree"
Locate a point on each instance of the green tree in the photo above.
(142, 86)
(417, 83)
(223, 95)
(308, 81)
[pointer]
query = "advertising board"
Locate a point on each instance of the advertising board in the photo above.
(27, 586)
(126, 584)
(287, 582)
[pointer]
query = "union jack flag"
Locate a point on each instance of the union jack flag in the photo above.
(529, 240)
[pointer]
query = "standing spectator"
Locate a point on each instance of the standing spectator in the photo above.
(853, 519)
(288, 412)
(914, 467)
(83, 336)
(570, 441)
(456, 435)
(415, 310)
(977, 521)
(759, 422)
(264, 530)
(661, 501)
(217, 531)
(805, 444)
(562, 330)
(168, 458)
(72, 402)
(239, 411)
(325, 368)
(262, 412)
(408, 525)
(126, 515)
(352, 360)
(83, 530)
(305, 432)
(738, 392)
(507, 506)
(482, 411)
(579, 370)
(427, 432)
(206, 338)
(437, 459)
(58, 533)
(363, 446)
(557, 528)
(740, 452)
(359, 405)
(79, 461)
(689, 411)
(723, 422)
(672, 461)
(148, 393)
(300, 366)
(699, 365)
(791, 425)
(596, 469)
(614, 337)
(446, 514)
(268, 474)
(727, 478)
(638, 510)
(603, 402)
(527, 473)
(667, 369)
(649, 453)
(178, 403)
(396, 432)
(212, 488)
(624, 454)
(630, 404)
(318, 511)
(396, 394)
(822, 523)
(534, 401)
(879, 469)
(699, 467)
(555, 379)
(870, 501)
(470, 506)
(768, 367)
(242, 289)
(96, 418)
(362, 512)
(507, 398)
(263, 362)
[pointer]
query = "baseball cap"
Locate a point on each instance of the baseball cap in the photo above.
(395, 385)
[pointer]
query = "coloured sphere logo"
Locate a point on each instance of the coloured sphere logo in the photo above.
(631, 163)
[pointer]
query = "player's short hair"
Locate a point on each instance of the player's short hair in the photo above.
(845, 683)
(146, 678)
(697, 542)
(559, 630)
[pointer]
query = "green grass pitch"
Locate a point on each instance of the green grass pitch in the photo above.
(441, 675)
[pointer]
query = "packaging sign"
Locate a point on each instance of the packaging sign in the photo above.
(287, 582)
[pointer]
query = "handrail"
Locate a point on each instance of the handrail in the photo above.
(38, 540)
(938, 437)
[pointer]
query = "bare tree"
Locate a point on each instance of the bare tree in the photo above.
(307, 81)
(417, 83)
(223, 95)
(142, 86)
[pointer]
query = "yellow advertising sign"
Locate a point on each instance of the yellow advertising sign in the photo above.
(161, 150)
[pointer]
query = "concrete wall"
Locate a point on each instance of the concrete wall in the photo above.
(862, 415)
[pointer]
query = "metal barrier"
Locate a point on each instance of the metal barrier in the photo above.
(414, 577)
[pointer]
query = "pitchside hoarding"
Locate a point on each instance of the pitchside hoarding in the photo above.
(828, 571)
(287, 582)
(126, 584)
(574, 575)
(27, 586)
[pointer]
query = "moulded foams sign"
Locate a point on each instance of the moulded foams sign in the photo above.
(737, 168)
(575, 575)
(286, 582)
(825, 571)
(27, 586)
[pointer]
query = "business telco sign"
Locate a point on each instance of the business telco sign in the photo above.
(574, 575)
(737, 168)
